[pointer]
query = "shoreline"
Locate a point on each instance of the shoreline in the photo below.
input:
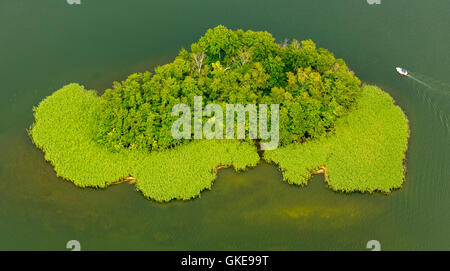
(221, 167)
(129, 180)
(322, 169)
(86, 176)
(361, 180)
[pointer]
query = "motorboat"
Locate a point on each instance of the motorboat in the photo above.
(401, 71)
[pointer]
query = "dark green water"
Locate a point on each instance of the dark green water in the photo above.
(47, 44)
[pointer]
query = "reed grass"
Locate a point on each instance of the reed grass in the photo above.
(365, 154)
(64, 129)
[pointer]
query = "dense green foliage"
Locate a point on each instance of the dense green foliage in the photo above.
(365, 154)
(65, 128)
(312, 87)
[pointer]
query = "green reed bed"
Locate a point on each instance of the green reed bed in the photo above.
(182, 173)
(64, 129)
(366, 152)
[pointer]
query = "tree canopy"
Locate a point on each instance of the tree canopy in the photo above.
(225, 66)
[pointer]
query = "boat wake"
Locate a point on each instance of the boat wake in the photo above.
(436, 94)
(432, 84)
(419, 81)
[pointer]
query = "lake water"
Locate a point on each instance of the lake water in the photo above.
(47, 44)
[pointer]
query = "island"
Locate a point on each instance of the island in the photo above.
(329, 122)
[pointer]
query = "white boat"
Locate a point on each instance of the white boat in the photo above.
(402, 71)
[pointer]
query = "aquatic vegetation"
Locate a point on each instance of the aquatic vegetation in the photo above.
(64, 130)
(184, 172)
(366, 152)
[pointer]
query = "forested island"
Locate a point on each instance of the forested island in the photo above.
(328, 121)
